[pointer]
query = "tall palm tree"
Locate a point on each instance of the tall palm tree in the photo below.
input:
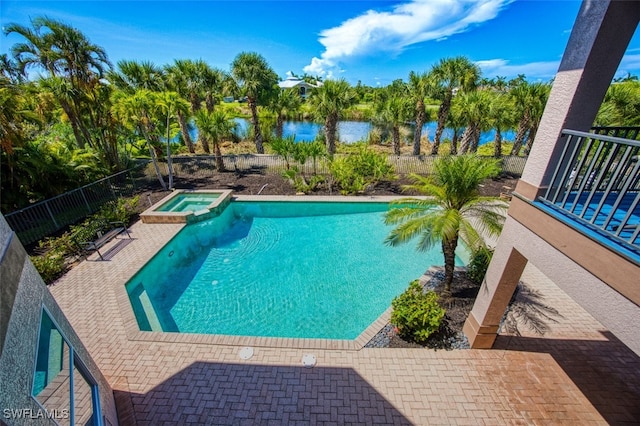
(452, 210)
(287, 101)
(130, 76)
(329, 102)
(215, 126)
(418, 90)
(256, 80)
(448, 76)
(65, 53)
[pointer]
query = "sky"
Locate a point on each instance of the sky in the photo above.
(372, 42)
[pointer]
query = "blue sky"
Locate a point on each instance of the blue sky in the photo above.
(373, 42)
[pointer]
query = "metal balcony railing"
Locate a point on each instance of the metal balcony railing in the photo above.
(596, 184)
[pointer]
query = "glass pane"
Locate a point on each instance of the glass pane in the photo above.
(51, 385)
(83, 403)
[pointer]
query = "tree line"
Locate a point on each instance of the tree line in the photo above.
(82, 117)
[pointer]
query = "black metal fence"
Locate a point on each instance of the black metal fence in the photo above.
(202, 167)
(47, 217)
(42, 219)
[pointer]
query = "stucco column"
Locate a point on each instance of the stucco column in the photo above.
(595, 48)
(503, 275)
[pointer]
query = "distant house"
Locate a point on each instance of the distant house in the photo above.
(302, 86)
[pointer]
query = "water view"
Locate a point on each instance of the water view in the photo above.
(354, 131)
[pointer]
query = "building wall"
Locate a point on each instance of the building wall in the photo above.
(617, 313)
(22, 297)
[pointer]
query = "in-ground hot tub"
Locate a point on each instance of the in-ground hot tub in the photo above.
(187, 206)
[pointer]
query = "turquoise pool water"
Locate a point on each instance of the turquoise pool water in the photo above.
(188, 202)
(279, 269)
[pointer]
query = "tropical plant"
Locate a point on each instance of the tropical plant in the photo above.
(416, 313)
(479, 263)
(419, 89)
(393, 113)
(257, 80)
(453, 208)
(285, 102)
(215, 126)
(501, 117)
(473, 108)
(354, 172)
(447, 76)
(170, 104)
(329, 102)
(285, 147)
(529, 100)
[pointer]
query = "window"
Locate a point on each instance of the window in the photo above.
(62, 384)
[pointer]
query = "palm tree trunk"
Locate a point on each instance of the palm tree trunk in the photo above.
(454, 142)
(330, 128)
(420, 119)
(497, 144)
(395, 140)
(523, 126)
(279, 126)
(467, 137)
(449, 251)
(218, 154)
(154, 158)
(443, 112)
(184, 129)
(530, 139)
(475, 140)
(257, 134)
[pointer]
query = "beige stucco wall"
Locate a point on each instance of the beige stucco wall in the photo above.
(614, 311)
(22, 297)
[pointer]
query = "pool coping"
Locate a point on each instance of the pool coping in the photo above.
(134, 333)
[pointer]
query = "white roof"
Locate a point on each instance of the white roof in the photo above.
(294, 82)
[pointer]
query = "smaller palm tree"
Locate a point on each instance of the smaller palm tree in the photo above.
(215, 126)
(453, 209)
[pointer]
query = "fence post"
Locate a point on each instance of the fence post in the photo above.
(86, 203)
(53, 219)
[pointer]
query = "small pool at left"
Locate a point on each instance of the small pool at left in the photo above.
(277, 269)
(188, 202)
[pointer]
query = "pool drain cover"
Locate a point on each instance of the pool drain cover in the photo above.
(308, 360)
(246, 353)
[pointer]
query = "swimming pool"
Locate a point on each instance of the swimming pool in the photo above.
(277, 269)
(187, 206)
(189, 202)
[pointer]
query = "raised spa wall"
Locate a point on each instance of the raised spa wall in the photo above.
(153, 215)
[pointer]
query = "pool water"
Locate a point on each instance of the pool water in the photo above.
(188, 202)
(278, 269)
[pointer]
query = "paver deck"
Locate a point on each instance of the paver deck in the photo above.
(577, 373)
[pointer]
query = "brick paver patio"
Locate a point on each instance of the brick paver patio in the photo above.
(578, 373)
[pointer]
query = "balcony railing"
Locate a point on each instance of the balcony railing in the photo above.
(596, 184)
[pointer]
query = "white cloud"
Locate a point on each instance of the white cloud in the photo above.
(406, 24)
(532, 70)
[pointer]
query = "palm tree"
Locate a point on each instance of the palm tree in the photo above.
(287, 101)
(529, 101)
(13, 116)
(501, 116)
(256, 79)
(171, 104)
(473, 108)
(449, 75)
(134, 75)
(215, 126)
(66, 54)
(137, 112)
(393, 113)
(418, 91)
(329, 103)
(453, 208)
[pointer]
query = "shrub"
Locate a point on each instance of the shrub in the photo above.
(355, 172)
(477, 268)
(120, 210)
(416, 313)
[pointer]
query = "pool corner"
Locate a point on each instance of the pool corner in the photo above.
(154, 215)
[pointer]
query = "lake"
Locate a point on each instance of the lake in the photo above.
(354, 131)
